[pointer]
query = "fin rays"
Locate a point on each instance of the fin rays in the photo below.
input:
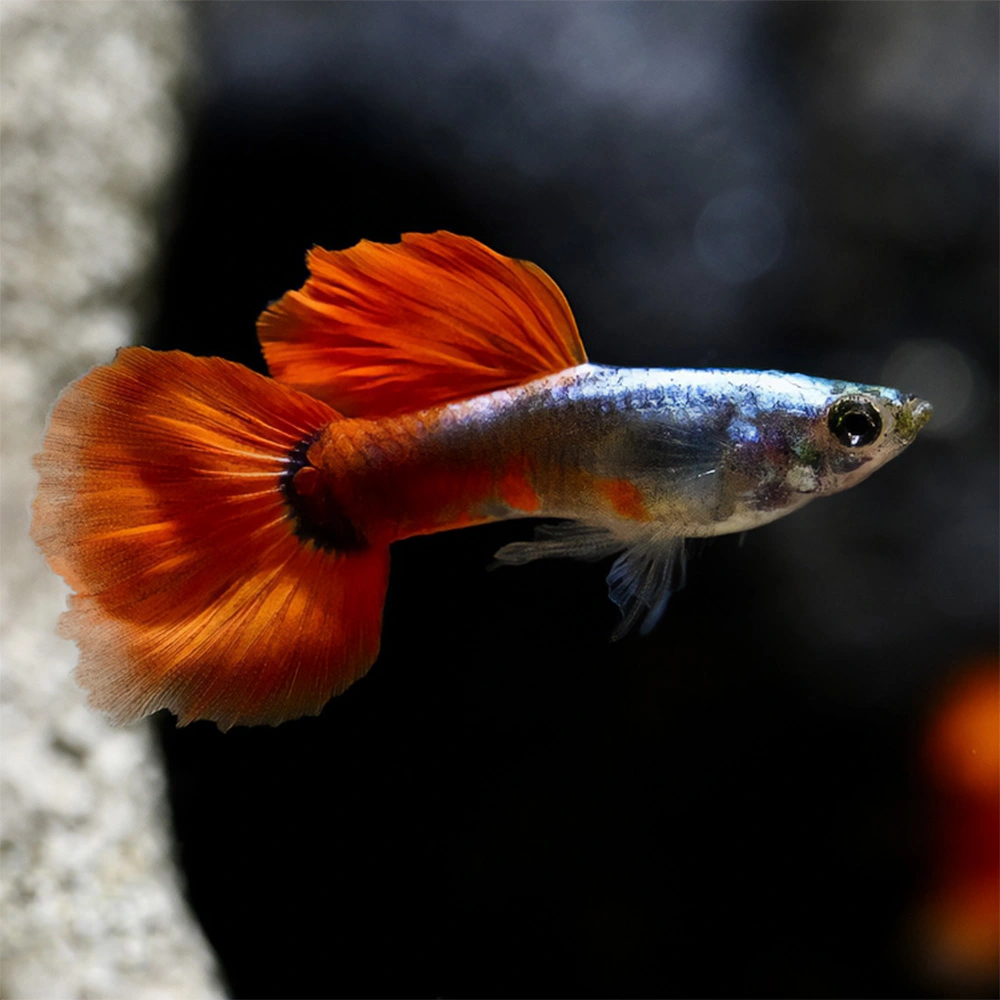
(383, 329)
(193, 591)
(649, 568)
(565, 539)
(642, 579)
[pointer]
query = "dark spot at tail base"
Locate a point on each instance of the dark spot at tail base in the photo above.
(319, 517)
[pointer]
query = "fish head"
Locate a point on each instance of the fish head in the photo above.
(856, 430)
(793, 438)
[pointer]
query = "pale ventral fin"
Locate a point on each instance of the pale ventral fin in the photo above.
(642, 579)
(648, 570)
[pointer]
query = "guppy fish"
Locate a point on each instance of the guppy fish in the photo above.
(227, 534)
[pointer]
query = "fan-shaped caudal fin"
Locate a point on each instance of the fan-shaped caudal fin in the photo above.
(383, 329)
(162, 502)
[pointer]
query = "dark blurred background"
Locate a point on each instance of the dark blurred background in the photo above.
(746, 802)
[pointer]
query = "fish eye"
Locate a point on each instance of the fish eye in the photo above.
(854, 422)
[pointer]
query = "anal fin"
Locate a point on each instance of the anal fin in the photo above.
(563, 540)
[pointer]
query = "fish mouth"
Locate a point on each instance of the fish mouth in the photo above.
(912, 416)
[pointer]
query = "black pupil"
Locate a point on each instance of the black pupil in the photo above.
(855, 423)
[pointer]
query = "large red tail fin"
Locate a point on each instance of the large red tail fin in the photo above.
(162, 502)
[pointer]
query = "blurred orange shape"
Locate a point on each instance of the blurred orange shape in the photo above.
(964, 745)
(961, 920)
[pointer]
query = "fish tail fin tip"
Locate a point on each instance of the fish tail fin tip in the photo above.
(380, 329)
(163, 502)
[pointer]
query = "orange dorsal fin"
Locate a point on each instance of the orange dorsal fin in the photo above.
(383, 329)
(164, 501)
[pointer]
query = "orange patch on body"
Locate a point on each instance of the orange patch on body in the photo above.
(624, 497)
(514, 490)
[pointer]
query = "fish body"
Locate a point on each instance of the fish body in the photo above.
(700, 452)
(227, 535)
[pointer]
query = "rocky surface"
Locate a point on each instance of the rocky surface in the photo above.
(91, 903)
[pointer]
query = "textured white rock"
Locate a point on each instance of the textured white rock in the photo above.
(90, 133)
